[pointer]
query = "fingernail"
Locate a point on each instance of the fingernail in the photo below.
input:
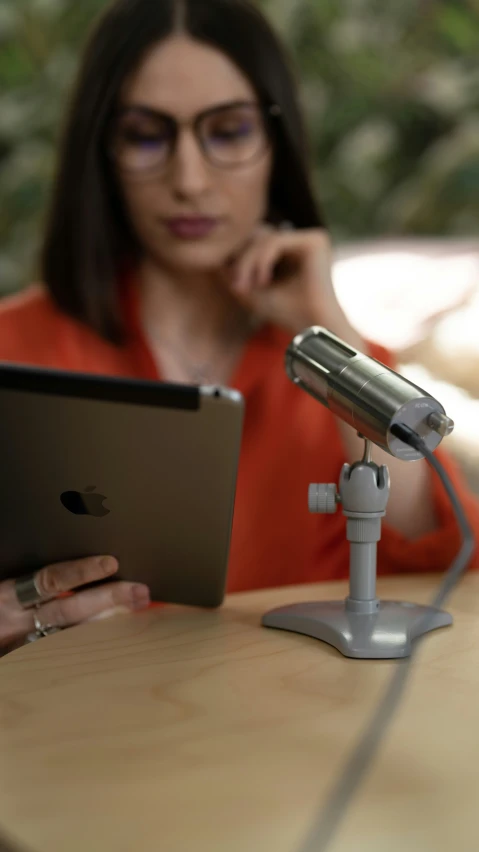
(140, 596)
(241, 286)
(107, 564)
(109, 613)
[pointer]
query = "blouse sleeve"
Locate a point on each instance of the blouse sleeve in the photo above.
(436, 550)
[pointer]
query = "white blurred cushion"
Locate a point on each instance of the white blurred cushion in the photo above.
(395, 292)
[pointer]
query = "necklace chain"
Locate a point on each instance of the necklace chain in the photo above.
(197, 373)
(202, 372)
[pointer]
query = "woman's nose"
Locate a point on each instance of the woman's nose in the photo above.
(190, 173)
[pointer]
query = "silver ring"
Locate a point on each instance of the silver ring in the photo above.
(27, 591)
(41, 629)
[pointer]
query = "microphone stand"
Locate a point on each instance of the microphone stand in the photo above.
(361, 625)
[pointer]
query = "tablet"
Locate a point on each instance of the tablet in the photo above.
(144, 471)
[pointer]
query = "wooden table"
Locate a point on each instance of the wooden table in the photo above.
(179, 730)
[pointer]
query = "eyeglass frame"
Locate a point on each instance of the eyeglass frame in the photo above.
(267, 111)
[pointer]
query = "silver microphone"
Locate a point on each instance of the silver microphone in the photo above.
(365, 393)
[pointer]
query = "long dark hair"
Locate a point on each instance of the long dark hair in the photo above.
(88, 237)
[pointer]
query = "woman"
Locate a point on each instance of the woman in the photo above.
(185, 244)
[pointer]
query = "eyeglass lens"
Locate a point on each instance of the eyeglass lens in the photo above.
(229, 136)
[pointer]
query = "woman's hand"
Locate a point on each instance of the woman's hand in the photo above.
(56, 580)
(284, 277)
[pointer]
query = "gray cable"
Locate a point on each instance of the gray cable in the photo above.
(332, 814)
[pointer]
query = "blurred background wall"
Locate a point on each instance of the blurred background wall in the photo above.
(391, 90)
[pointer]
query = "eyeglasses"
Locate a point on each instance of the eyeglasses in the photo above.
(231, 135)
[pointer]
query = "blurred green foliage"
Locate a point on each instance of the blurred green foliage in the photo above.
(391, 89)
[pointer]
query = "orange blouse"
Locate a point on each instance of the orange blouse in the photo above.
(289, 441)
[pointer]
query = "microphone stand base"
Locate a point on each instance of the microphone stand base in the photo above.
(387, 633)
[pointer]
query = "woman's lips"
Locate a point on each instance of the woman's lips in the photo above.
(191, 227)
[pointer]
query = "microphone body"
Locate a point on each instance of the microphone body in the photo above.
(364, 393)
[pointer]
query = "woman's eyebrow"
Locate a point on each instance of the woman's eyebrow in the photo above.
(142, 108)
(154, 112)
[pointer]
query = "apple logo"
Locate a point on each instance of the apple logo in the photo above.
(88, 503)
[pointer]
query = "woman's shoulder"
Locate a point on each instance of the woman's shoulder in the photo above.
(35, 331)
(27, 319)
(28, 305)
(32, 328)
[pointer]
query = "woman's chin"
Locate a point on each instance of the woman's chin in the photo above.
(195, 257)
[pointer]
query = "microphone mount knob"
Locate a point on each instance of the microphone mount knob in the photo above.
(323, 499)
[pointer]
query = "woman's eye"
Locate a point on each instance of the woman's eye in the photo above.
(233, 132)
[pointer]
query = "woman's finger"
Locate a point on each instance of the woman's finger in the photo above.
(242, 272)
(66, 576)
(64, 612)
(244, 265)
(15, 622)
(267, 258)
(256, 266)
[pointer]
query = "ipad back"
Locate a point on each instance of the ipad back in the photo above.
(140, 470)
